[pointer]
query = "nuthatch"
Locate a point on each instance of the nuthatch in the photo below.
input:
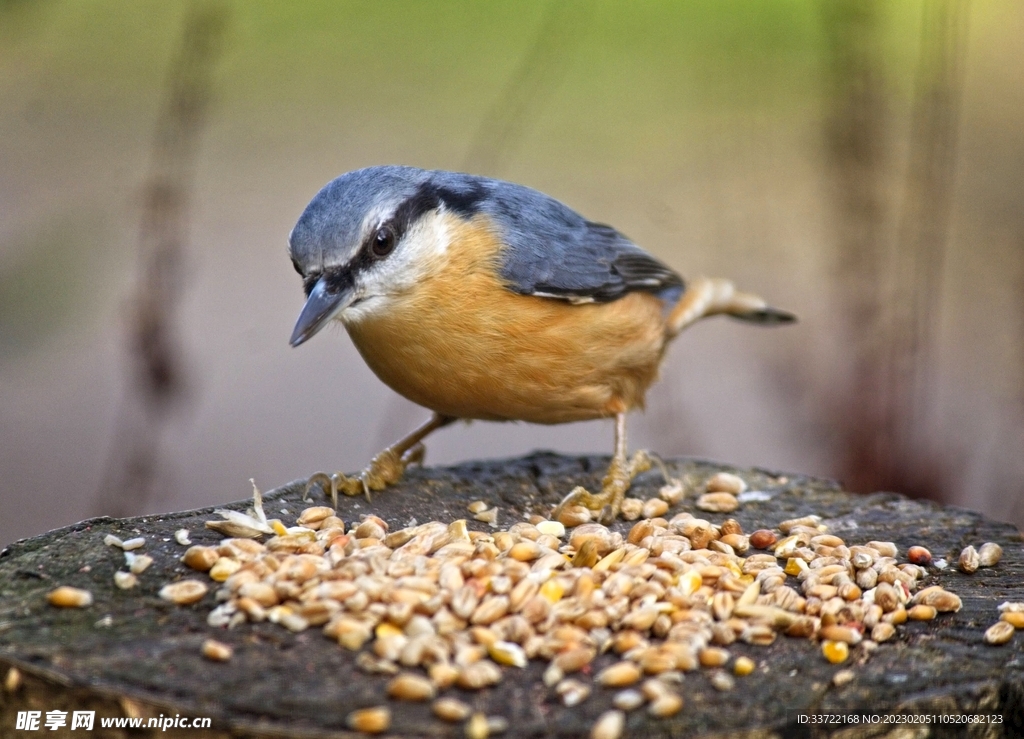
(482, 299)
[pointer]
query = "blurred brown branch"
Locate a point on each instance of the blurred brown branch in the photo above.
(857, 147)
(892, 294)
(913, 465)
(155, 354)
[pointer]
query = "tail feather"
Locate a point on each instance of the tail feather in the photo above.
(711, 296)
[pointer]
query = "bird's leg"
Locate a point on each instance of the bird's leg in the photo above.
(616, 481)
(384, 469)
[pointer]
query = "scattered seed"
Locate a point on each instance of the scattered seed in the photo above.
(1014, 618)
(999, 633)
(181, 536)
(125, 580)
(410, 686)
(573, 692)
(477, 506)
(718, 502)
(374, 720)
(138, 564)
(843, 677)
(476, 727)
(574, 515)
(551, 528)
(628, 700)
(200, 558)
(68, 597)
(490, 516)
(450, 709)
(921, 612)
(989, 554)
(762, 539)
(313, 518)
(885, 548)
(667, 705)
(919, 556)
(726, 482)
(835, 652)
(217, 651)
(619, 675)
(654, 507)
(882, 632)
(970, 560)
(609, 725)
(184, 592)
(743, 666)
(722, 681)
(507, 653)
(12, 680)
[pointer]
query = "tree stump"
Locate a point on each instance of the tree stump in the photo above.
(133, 654)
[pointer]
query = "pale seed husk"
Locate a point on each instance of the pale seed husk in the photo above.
(450, 709)
(609, 725)
(999, 633)
(184, 592)
(989, 554)
(969, 560)
(718, 502)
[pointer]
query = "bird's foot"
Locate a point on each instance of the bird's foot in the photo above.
(613, 488)
(384, 469)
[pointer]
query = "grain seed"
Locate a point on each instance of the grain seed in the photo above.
(450, 709)
(667, 705)
(718, 502)
(410, 686)
(725, 482)
(628, 700)
(609, 725)
(989, 554)
(619, 675)
(217, 651)
(970, 560)
(68, 597)
(125, 580)
(999, 633)
(374, 720)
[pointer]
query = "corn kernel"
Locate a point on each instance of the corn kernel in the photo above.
(743, 666)
(552, 591)
(835, 652)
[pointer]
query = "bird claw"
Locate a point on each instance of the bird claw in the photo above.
(613, 488)
(384, 469)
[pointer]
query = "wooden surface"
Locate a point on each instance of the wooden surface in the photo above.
(131, 652)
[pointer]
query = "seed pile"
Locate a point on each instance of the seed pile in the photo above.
(436, 605)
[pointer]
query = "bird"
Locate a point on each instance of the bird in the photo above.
(481, 299)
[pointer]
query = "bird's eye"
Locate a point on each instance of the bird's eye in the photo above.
(383, 241)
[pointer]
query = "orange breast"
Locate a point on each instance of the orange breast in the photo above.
(462, 344)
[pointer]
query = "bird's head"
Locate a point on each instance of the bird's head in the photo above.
(369, 236)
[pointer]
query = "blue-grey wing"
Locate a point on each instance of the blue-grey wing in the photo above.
(552, 251)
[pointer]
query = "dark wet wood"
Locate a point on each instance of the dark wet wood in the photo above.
(132, 652)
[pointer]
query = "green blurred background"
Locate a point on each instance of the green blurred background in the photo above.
(860, 163)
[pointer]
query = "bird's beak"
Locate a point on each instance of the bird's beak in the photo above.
(321, 306)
